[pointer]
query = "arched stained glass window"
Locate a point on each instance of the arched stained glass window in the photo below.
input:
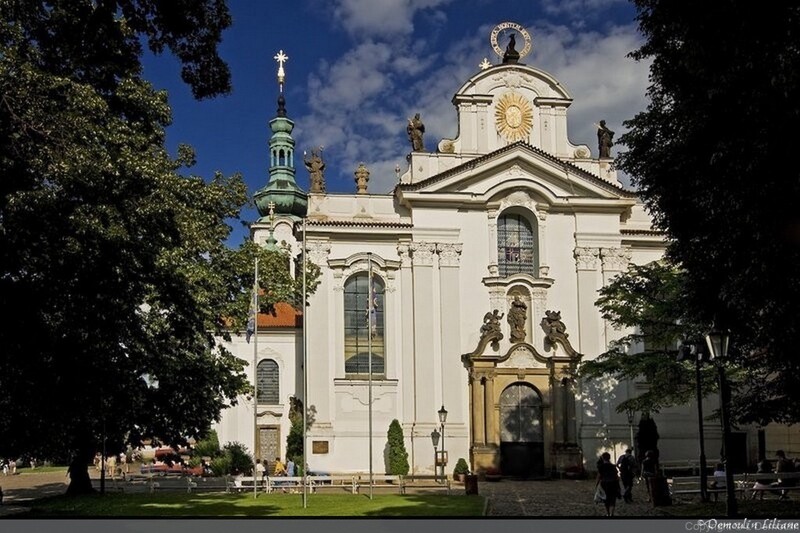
(359, 321)
(516, 245)
(268, 382)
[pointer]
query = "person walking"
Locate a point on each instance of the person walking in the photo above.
(627, 472)
(608, 480)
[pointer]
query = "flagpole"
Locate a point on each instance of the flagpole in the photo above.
(255, 379)
(305, 376)
(369, 363)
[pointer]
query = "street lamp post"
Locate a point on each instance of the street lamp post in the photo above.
(435, 440)
(442, 421)
(696, 352)
(718, 342)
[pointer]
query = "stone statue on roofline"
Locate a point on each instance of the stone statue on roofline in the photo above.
(604, 140)
(415, 130)
(316, 168)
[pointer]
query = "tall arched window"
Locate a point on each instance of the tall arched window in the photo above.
(359, 322)
(516, 245)
(268, 382)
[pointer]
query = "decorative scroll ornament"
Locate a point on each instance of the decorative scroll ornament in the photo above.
(513, 117)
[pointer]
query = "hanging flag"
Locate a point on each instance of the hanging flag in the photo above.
(251, 317)
(251, 322)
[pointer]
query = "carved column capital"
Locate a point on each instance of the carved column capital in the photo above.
(615, 259)
(422, 253)
(318, 252)
(404, 251)
(449, 253)
(587, 258)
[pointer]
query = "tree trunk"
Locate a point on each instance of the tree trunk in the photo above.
(79, 482)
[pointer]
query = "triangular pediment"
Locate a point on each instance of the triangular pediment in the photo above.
(517, 166)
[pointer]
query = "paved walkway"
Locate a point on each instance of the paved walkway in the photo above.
(552, 498)
(565, 498)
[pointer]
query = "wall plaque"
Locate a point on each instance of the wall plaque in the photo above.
(319, 446)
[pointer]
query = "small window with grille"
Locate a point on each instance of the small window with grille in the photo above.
(268, 382)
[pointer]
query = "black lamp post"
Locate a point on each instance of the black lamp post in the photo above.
(698, 355)
(718, 342)
(442, 421)
(435, 440)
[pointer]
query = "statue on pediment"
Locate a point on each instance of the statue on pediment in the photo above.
(491, 325)
(517, 317)
(316, 168)
(554, 328)
(415, 130)
(604, 140)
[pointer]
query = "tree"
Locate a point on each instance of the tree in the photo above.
(708, 158)
(113, 263)
(294, 440)
(398, 456)
(650, 301)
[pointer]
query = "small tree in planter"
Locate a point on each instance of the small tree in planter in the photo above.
(398, 456)
(461, 469)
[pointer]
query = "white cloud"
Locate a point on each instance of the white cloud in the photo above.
(361, 102)
(375, 18)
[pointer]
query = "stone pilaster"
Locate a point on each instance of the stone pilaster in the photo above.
(478, 429)
(424, 321)
(587, 261)
(492, 242)
(453, 393)
(408, 356)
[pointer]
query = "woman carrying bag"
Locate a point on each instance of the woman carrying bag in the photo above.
(608, 482)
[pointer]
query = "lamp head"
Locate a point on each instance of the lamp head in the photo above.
(442, 415)
(435, 437)
(718, 341)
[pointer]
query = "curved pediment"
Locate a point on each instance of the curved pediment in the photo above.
(518, 166)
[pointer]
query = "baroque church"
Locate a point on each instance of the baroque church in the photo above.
(485, 263)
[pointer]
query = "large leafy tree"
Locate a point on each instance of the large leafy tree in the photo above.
(649, 303)
(709, 156)
(114, 273)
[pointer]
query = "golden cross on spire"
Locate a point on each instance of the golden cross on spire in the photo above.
(281, 58)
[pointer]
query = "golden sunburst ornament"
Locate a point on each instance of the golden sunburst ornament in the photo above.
(513, 117)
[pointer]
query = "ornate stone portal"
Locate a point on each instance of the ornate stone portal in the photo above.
(522, 403)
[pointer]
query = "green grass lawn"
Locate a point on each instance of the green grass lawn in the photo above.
(266, 505)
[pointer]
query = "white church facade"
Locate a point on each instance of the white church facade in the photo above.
(486, 261)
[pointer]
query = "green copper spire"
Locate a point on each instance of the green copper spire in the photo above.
(282, 190)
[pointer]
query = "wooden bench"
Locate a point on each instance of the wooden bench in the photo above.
(691, 466)
(380, 481)
(246, 483)
(426, 482)
(768, 479)
(282, 483)
(212, 484)
(341, 482)
(743, 484)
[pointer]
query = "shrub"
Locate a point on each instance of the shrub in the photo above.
(241, 462)
(461, 467)
(221, 466)
(398, 456)
(209, 446)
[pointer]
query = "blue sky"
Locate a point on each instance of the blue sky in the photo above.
(358, 69)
